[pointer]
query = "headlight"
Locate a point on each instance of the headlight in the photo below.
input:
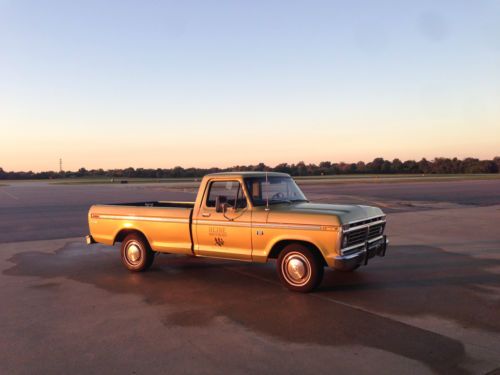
(344, 241)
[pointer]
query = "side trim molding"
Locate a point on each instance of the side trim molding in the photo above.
(140, 218)
(258, 225)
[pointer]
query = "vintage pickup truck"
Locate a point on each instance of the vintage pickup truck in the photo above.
(247, 216)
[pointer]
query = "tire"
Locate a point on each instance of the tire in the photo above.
(136, 253)
(299, 269)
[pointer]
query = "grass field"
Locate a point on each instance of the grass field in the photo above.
(300, 179)
(107, 180)
(335, 179)
(394, 178)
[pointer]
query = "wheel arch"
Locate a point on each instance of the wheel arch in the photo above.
(281, 244)
(124, 232)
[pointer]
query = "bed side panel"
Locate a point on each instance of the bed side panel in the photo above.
(166, 228)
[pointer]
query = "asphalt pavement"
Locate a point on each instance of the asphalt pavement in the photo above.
(37, 210)
(430, 306)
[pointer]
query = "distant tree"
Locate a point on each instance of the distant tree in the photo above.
(397, 166)
(260, 167)
(301, 169)
(129, 172)
(456, 166)
(82, 172)
(496, 160)
(361, 167)
(376, 165)
(471, 165)
(283, 168)
(386, 167)
(490, 166)
(353, 168)
(343, 167)
(177, 172)
(424, 166)
(410, 166)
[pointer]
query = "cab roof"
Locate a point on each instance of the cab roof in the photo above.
(248, 174)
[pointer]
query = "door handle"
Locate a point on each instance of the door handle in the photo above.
(205, 214)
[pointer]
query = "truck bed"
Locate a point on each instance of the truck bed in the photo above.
(166, 224)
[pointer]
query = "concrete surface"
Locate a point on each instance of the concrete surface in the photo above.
(431, 306)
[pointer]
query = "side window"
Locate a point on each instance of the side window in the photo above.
(231, 191)
(260, 190)
(254, 188)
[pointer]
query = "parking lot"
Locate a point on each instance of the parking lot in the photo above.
(430, 306)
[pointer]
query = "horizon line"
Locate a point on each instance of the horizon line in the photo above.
(253, 165)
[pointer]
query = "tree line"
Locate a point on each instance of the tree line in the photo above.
(377, 166)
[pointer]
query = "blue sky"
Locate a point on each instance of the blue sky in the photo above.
(158, 83)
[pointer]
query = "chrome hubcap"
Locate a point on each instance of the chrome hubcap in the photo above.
(133, 253)
(296, 269)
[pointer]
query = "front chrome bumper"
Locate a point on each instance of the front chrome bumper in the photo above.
(361, 256)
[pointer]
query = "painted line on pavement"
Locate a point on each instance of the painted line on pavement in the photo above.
(10, 194)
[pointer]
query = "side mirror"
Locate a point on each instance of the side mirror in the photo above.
(220, 203)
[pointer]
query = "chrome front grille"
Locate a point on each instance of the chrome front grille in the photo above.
(356, 236)
(360, 232)
(376, 230)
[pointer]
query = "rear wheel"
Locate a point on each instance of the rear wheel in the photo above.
(136, 253)
(299, 269)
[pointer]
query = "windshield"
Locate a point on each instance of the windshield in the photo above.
(275, 189)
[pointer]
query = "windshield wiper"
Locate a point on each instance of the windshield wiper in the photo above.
(280, 201)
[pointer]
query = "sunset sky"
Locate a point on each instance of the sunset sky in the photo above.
(112, 84)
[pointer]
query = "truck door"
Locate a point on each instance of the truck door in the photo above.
(224, 233)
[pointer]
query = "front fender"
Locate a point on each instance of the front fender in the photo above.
(324, 241)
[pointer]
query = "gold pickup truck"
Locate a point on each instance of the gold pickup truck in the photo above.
(247, 216)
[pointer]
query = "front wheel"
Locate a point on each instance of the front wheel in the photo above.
(299, 269)
(136, 253)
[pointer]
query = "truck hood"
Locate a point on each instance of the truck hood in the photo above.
(345, 213)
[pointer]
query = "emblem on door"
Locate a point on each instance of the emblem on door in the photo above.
(217, 231)
(219, 241)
